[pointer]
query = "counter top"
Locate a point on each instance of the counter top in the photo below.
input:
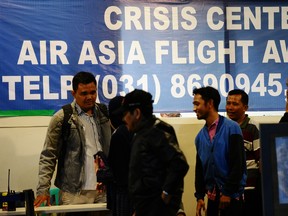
(59, 208)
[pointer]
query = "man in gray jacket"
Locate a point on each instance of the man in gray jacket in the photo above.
(89, 133)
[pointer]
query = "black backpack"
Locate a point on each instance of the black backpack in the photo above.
(68, 111)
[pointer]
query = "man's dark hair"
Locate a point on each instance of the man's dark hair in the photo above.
(84, 78)
(244, 95)
(209, 93)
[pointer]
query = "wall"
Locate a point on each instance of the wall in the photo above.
(22, 140)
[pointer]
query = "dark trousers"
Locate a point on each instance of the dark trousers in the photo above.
(234, 209)
(153, 207)
(122, 206)
(252, 203)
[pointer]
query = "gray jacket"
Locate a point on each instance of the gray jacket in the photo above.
(70, 168)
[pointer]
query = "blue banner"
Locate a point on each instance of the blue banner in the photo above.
(166, 47)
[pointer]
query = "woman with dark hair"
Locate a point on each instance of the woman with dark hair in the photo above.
(119, 155)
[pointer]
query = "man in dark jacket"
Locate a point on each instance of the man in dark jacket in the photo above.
(157, 165)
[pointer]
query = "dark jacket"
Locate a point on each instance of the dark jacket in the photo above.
(157, 164)
(119, 155)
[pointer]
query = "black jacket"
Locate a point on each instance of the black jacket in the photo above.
(119, 155)
(157, 164)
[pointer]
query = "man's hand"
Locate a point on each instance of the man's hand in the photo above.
(42, 199)
(101, 188)
(166, 198)
(180, 213)
(200, 206)
(96, 163)
(224, 202)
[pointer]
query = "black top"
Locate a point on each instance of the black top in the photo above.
(119, 154)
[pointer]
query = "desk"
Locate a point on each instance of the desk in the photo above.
(60, 208)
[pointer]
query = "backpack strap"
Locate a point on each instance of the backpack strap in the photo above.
(66, 125)
(103, 108)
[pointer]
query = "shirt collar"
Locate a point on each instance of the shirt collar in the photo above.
(80, 111)
(215, 123)
(245, 122)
